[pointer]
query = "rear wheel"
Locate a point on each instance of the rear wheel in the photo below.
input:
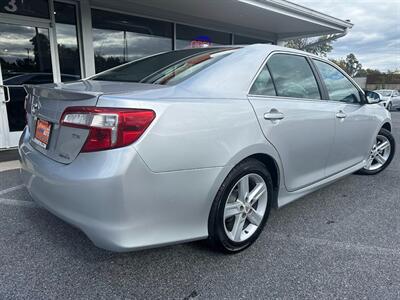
(241, 207)
(389, 106)
(381, 153)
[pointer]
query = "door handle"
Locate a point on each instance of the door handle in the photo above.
(340, 114)
(273, 115)
(6, 94)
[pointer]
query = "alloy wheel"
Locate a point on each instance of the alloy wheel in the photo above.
(379, 154)
(245, 207)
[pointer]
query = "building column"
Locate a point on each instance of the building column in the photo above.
(88, 67)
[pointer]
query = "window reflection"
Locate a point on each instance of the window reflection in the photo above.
(194, 37)
(293, 77)
(119, 38)
(246, 40)
(31, 8)
(25, 59)
(338, 86)
(67, 41)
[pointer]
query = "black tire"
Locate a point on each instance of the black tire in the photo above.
(386, 133)
(389, 107)
(217, 235)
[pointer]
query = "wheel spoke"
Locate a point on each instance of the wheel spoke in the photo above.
(256, 193)
(369, 162)
(383, 146)
(380, 159)
(243, 188)
(238, 227)
(255, 218)
(232, 209)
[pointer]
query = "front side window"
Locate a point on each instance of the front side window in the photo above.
(339, 87)
(263, 85)
(293, 77)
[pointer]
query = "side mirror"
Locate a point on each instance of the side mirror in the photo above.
(372, 97)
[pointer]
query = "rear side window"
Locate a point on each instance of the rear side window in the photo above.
(263, 85)
(293, 76)
(339, 87)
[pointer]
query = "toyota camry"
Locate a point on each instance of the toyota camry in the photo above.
(197, 143)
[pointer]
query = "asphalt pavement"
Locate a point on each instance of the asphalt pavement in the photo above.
(340, 242)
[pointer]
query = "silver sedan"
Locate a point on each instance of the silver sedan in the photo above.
(197, 143)
(390, 99)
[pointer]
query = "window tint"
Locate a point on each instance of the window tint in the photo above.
(246, 40)
(263, 85)
(31, 8)
(293, 76)
(67, 39)
(166, 68)
(120, 38)
(338, 86)
(194, 37)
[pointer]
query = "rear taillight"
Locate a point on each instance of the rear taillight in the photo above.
(109, 128)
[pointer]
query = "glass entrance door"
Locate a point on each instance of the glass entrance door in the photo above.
(25, 58)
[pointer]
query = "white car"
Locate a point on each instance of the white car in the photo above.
(390, 99)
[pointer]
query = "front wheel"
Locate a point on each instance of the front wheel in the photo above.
(241, 207)
(381, 153)
(389, 106)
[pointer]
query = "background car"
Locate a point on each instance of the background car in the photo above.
(197, 143)
(390, 99)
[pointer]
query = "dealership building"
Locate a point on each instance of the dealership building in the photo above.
(45, 41)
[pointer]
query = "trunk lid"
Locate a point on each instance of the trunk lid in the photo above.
(48, 102)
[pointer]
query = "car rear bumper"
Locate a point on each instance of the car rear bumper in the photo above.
(115, 199)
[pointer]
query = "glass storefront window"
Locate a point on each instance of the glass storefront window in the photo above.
(67, 41)
(119, 38)
(246, 40)
(194, 37)
(24, 59)
(31, 8)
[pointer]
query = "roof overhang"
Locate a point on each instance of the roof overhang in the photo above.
(269, 19)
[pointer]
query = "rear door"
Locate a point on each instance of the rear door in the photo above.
(287, 100)
(354, 126)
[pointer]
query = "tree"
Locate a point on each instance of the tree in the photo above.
(350, 65)
(368, 71)
(320, 46)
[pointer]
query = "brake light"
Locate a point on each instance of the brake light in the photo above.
(109, 128)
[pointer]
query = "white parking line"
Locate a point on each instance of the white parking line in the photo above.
(11, 189)
(18, 203)
(9, 165)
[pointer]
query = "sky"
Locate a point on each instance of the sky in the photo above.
(375, 37)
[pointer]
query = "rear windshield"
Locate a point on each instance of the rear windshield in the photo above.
(166, 68)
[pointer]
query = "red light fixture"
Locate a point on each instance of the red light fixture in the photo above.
(109, 128)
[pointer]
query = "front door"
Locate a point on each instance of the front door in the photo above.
(298, 123)
(25, 58)
(353, 123)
